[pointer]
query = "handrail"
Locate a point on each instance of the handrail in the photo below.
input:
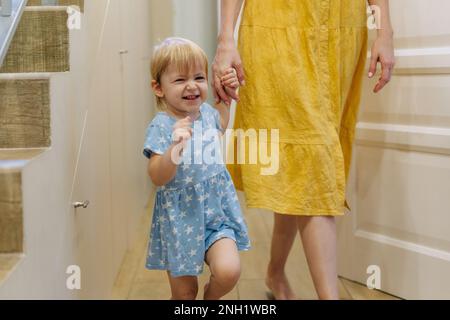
(10, 15)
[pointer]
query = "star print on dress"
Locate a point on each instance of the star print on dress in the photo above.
(167, 205)
(209, 212)
(161, 219)
(189, 230)
(188, 180)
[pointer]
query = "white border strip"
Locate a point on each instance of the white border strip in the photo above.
(416, 138)
(408, 246)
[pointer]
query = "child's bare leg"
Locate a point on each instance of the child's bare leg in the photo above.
(284, 231)
(183, 288)
(223, 260)
(319, 242)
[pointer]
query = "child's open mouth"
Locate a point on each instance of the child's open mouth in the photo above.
(191, 97)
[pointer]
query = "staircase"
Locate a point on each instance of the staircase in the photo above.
(40, 48)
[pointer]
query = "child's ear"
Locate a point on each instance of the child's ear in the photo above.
(156, 86)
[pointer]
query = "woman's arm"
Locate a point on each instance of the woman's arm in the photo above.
(229, 13)
(227, 55)
(383, 47)
(384, 21)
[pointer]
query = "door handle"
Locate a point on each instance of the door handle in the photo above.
(84, 204)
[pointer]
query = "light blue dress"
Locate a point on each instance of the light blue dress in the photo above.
(199, 206)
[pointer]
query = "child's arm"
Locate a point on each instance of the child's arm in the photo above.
(229, 80)
(224, 112)
(163, 168)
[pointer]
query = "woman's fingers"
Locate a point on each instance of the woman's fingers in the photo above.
(225, 86)
(373, 64)
(220, 91)
(386, 73)
(229, 71)
(228, 76)
(230, 79)
(240, 73)
(383, 53)
(232, 83)
(384, 79)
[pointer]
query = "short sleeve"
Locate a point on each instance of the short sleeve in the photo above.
(157, 140)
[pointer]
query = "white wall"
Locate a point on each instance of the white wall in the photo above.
(197, 21)
(194, 19)
(110, 91)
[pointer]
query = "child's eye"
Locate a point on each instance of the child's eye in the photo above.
(200, 78)
(179, 80)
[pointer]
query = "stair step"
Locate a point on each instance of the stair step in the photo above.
(25, 154)
(11, 221)
(24, 112)
(79, 3)
(41, 42)
(8, 262)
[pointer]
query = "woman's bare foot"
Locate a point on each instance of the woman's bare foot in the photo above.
(279, 285)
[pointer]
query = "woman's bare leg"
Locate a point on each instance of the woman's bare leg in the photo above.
(319, 242)
(283, 236)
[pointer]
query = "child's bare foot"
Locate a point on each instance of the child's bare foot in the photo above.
(279, 287)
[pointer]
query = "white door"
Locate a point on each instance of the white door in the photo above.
(399, 187)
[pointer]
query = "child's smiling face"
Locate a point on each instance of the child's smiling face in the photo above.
(183, 91)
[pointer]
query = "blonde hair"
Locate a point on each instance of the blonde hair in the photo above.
(179, 51)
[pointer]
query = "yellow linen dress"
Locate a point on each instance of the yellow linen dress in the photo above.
(304, 63)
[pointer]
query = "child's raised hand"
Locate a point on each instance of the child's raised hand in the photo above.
(230, 79)
(181, 133)
(182, 130)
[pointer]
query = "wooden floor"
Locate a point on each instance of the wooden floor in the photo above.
(136, 282)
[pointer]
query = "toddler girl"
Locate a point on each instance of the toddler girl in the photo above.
(197, 216)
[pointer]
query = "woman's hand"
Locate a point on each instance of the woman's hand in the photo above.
(227, 56)
(382, 52)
